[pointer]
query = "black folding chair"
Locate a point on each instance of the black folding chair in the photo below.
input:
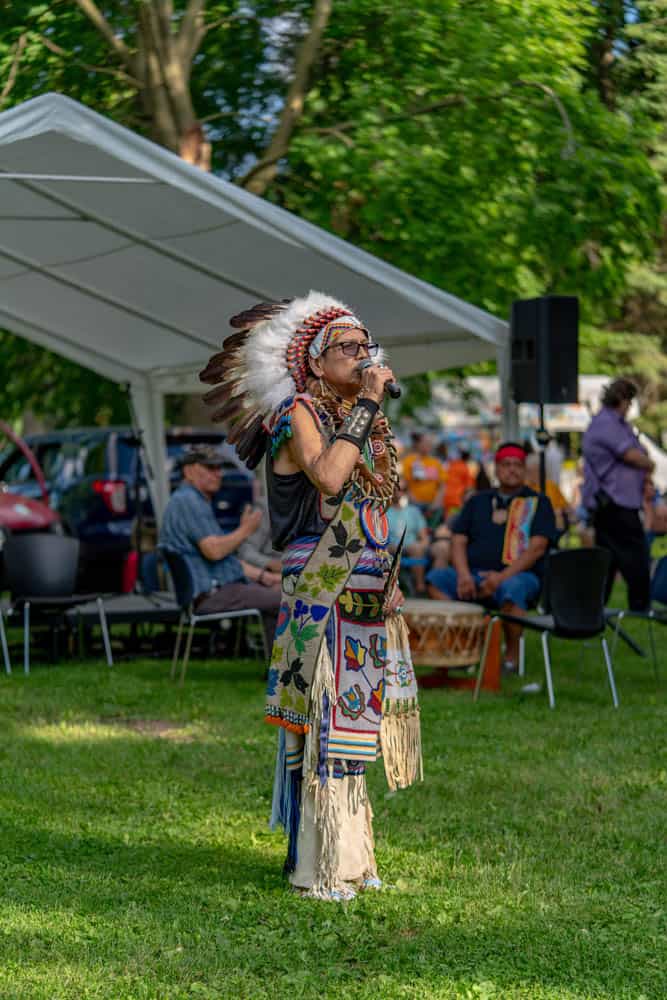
(574, 589)
(652, 616)
(41, 570)
(181, 576)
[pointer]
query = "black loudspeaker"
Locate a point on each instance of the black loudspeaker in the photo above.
(545, 349)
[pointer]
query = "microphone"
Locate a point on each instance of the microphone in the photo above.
(392, 388)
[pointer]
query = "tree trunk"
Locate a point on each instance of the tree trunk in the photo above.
(160, 64)
(263, 173)
(164, 95)
(612, 23)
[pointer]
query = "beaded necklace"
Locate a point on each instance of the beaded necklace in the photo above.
(376, 476)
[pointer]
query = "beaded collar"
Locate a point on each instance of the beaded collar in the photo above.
(375, 477)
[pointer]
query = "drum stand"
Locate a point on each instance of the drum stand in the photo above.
(443, 677)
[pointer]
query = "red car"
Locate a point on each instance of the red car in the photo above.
(19, 513)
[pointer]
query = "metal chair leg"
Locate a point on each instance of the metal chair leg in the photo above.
(186, 656)
(654, 657)
(610, 672)
(177, 645)
(5, 647)
(629, 641)
(547, 669)
(239, 627)
(617, 632)
(105, 631)
(26, 637)
(482, 661)
(522, 655)
(80, 630)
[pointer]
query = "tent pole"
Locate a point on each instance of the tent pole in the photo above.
(148, 404)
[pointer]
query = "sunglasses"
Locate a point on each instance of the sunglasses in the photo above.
(351, 348)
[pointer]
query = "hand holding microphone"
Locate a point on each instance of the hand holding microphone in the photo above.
(377, 379)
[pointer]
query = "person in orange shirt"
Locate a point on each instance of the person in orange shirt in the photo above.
(552, 491)
(460, 479)
(424, 474)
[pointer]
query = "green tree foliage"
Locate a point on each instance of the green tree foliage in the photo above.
(641, 91)
(51, 386)
(480, 146)
(463, 143)
(233, 67)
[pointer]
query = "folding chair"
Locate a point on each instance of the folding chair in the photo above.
(41, 570)
(657, 616)
(574, 588)
(3, 638)
(181, 576)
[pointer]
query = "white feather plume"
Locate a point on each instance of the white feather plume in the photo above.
(267, 379)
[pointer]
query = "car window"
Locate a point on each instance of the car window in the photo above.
(59, 461)
(70, 463)
(51, 458)
(16, 470)
(126, 454)
(95, 462)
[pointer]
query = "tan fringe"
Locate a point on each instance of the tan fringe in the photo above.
(400, 731)
(398, 634)
(323, 683)
(356, 792)
(328, 824)
(369, 842)
(400, 734)
(327, 819)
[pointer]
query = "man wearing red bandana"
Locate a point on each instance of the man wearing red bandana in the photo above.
(500, 539)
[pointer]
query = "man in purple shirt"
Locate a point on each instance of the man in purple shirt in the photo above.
(615, 466)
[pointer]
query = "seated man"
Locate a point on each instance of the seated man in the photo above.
(404, 516)
(222, 581)
(500, 538)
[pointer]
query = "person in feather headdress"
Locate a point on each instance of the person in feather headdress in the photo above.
(341, 687)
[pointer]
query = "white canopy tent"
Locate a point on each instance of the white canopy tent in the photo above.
(117, 254)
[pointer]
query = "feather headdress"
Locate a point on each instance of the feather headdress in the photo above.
(266, 361)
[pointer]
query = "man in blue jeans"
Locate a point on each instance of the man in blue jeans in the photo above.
(500, 538)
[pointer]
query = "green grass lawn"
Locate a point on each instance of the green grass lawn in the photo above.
(136, 862)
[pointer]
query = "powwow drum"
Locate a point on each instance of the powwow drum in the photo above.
(444, 633)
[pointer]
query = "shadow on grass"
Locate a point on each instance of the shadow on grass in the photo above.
(226, 907)
(529, 860)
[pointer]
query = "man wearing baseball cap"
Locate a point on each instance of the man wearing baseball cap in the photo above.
(222, 581)
(498, 546)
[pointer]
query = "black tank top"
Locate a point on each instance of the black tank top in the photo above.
(294, 506)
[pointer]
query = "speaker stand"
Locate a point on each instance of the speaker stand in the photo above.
(543, 439)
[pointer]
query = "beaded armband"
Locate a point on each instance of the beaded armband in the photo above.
(357, 425)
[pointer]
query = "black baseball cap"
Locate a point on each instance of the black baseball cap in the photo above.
(202, 454)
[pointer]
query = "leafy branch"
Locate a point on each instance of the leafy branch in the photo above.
(14, 68)
(340, 129)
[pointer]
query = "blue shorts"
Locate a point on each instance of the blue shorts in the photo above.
(522, 589)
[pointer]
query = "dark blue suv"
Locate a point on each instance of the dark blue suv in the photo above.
(92, 477)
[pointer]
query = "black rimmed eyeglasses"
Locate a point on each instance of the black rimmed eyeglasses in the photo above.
(351, 348)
